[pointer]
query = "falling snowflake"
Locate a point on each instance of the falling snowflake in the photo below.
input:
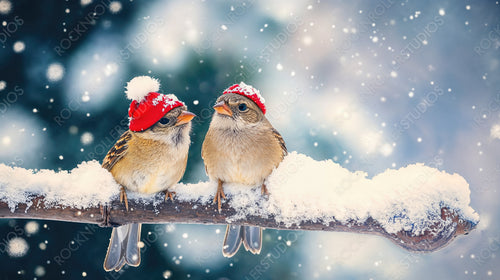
(115, 7)
(55, 72)
(495, 131)
(17, 247)
(85, 2)
(31, 227)
(87, 138)
(39, 271)
(18, 47)
(167, 274)
(5, 7)
(6, 140)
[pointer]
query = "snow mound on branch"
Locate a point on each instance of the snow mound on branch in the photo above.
(87, 185)
(303, 189)
(409, 198)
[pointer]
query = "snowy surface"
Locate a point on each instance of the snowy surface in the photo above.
(85, 186)
(301, 189)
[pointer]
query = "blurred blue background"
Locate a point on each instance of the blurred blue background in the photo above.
(371, 85)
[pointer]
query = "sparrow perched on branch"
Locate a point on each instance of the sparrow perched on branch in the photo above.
(241, 146)
(149, 157)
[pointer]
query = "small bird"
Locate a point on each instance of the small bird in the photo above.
(241, 146)
(149, 157)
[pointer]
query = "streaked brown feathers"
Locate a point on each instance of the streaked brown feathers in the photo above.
(117, 151)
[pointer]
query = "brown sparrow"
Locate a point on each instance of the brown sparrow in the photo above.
(241, 146)
(149, 157)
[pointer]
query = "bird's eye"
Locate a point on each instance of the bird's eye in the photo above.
(242, 107)
(164, 121)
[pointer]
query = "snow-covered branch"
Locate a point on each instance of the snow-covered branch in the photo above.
(417, 207)
(445, 228)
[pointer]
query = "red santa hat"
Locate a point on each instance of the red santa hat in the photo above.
(147, 105)
(250, 92)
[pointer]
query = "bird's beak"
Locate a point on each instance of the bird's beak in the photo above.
(223, 109)
(184, 117)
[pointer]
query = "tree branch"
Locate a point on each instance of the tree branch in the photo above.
(445, 229)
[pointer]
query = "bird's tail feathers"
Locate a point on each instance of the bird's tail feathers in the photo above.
(251, 237)
(123, 247)
(232, 240)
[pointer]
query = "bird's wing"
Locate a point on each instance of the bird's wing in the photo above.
(281, 141)
(117, 151)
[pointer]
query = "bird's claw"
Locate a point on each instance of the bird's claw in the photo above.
(169, 195)
(123, 197)
(218, 198)
(104, 211)
(264, 190)
(219, 195)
